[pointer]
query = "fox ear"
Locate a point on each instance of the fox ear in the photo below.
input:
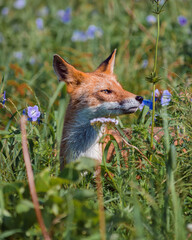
(67, 73)
(107, 66)
(62, 69)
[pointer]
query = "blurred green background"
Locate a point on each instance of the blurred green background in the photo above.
(155, 206)
(27, 49)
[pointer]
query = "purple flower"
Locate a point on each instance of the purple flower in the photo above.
(151, 19)
(144, 63)
(148, 103)
(39, 23)
(165, 98)
(157, 93)
(19, 4)
(65, 15)
(32, 60)
(33, 113)
(93, 31)
(78, 36)
(182, 20)
(4, 98)
(5, 11)
(18, 55)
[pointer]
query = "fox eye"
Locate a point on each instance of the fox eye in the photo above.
(107, 91)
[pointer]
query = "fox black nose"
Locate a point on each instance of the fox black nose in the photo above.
(139, 99)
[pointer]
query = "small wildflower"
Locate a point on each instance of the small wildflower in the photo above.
(4, 98)
(182, 20)
(151, 19)
(93, 31)
(104, 120)
(148, 103)
(33, 113)
(24, 112)
(65, 15)
(144, 63)
(19, 4)
(39, 23)
(165, 98)
(157, 94)
(5, 11)
(32, 60)
(78, 36)
(18, 55)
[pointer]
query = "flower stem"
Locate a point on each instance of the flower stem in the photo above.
(155, 74)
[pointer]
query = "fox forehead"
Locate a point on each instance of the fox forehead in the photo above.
(101, 81)
(93, 83)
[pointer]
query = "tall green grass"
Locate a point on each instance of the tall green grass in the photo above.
(143, 201)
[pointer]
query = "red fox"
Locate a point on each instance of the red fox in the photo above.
(92, 95)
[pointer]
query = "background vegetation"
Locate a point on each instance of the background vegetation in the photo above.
(142, 201)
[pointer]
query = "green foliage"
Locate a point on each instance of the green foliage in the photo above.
(143, 201)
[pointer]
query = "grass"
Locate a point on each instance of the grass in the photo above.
(143, 201)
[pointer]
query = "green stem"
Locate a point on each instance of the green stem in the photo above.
(155, 73)
(153, 118)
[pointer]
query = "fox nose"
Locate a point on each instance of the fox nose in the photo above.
(139, 99)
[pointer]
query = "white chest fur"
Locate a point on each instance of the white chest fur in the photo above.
(95, 151)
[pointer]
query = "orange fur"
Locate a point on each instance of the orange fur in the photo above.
(92, 95)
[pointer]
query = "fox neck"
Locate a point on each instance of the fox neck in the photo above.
(79, 138)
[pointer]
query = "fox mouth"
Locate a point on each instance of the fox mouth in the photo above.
(125, 111)
(130, 110)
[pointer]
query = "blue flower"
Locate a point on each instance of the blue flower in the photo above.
(65, 15)
(5, 11)
(93, 31)
(165, 98)
(157, 94)
(19, 4)
(18, 55)
(33, 113)
(39, 23)
(4, 98)
(148, 103)
(78, 36)
(32, 60)
(144, 63)
(151, 19)
(182, 20)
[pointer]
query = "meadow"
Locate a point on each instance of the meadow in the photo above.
(149, 199)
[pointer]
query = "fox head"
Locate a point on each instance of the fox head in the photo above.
(98, 93)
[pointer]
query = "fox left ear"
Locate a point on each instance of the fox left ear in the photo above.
(107, 66)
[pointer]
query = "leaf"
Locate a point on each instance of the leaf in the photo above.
(24, 206)
(42, 181)
(9, 233)
(143, 114)
(86, 164)
(84, 194)
(70, 174)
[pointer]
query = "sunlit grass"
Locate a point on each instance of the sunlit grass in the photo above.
(143, 201)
